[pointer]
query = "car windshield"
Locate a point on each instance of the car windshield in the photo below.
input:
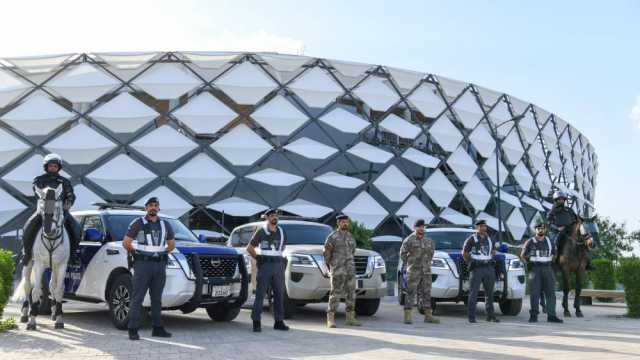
(449, 240)
(298, 234)
(118, 224)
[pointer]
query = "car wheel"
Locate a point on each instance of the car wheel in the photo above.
(120, 295)
(223, 312)
(367, 307)
(511, 307)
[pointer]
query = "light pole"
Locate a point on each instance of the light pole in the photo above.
(498, 145)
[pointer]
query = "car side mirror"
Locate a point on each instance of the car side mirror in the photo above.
(202, 238)
(93, 234)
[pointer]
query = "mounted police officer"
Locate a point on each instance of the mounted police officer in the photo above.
(538, 253)
(478, 251)
(52, 164)
(339, 251)
(561, 219)
(150, 239)
(266, 247)
(416, 253)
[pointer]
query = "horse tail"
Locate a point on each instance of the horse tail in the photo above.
(20, 292)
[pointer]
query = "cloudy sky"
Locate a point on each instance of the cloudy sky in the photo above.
(578, 59)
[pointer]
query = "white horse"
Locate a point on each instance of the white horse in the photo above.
(51, 250)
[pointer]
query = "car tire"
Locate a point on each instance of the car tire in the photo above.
(511, 307)
(119, 300)
(222, 312)
(367, 307)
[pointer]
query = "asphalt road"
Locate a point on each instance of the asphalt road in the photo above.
(604, 333)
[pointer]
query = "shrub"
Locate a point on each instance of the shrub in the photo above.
(7, 268)
(629, 273)
(604, 276)
(361, 234)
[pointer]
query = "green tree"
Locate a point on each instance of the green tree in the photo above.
(361, 234)
(615, 239)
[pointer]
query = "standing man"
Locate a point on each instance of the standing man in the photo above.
(266, 247)
(478, 251)
(52, 164)
(339, 250)
(416, 253)
(150, 240)
(538, 253)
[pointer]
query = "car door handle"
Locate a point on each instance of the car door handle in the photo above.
(112, 252)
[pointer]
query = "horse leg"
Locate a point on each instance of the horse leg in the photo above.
(576, 302)
(57, 289)
(26, 289)
(565, 293)
(36, 293)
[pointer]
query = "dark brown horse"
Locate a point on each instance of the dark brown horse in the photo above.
(573, 258)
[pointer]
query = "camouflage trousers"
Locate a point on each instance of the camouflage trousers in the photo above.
(342, 286)
(418, 284)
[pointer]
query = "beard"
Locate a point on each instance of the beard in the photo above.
(153, 212)
(273, 221)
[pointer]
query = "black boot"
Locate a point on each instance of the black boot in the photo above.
(492, 318)
(280, 325)
(472, 320)
(257, 326)
(133, 334)
(533, 318)
(554, 319)
(159, 331)
(29, 233)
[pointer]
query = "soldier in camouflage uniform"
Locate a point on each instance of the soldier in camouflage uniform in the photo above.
(339, 249)
(416, 253)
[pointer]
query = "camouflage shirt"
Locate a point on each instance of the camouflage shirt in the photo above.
(416, 253)
(339, 249)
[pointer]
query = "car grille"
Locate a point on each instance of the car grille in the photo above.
(361, 263)
(215, 266)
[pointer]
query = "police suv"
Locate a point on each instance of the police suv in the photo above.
(306, 275)
(198, 274)
(450, 273)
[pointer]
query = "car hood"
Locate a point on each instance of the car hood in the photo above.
(317, 250)
(190, 247)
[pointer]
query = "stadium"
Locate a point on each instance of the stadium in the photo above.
(221, 136)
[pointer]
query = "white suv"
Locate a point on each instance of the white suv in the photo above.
(306, 276)
(450, 273)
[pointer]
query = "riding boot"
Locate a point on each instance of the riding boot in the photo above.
(29, 233)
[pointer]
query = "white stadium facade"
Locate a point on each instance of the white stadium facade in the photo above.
(219, 137)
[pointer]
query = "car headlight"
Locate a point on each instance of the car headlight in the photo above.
(319, 259)
(172, 262)
(439, 263)
(378, 262)
(516, 264)
(301, 260)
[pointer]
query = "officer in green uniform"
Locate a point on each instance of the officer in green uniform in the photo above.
(538, 253)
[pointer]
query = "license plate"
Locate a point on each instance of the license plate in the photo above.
(220, 291)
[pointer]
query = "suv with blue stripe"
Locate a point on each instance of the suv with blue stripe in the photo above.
(199, 275)
(450, 273)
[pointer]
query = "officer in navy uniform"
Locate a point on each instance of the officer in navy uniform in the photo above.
(478, 251)
(150, 240)
(266, 247)
(538, 253)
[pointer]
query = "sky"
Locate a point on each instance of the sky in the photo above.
(577, 59)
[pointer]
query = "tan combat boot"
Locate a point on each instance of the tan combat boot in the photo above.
(407, 316)
(331, 320)
(351, 319)
(428, 317)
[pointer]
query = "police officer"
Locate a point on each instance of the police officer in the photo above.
(538, 253)
(339, 251)
(150, 240)
(478, 251)
(562, 219)
(52, 164)
(416, 253)
(266, 247)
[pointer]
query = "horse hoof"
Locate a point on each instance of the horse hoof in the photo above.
(31, 326)
(53, 318)
(24, 319)
(579, 314)
(567, 313)
(59, 326)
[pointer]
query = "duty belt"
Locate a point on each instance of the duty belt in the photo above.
(481, 263)
(539, 263)
(143, 257)
(261, 259)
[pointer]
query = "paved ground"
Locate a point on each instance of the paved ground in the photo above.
(603, 333)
